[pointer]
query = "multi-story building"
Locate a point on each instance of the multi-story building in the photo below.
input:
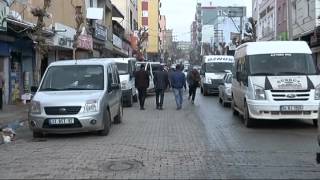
(193, 34)
(217, 25)
(266, 20)
(282, 20)
(162, 35)
(168, 46)
(22, 65)
(148, 17)
(129, 9)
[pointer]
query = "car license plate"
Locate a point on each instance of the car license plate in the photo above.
(59, 121)
(291, 108)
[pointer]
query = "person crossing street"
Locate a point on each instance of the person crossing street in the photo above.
(193, 79)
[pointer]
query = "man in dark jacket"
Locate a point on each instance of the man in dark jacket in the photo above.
(161, 82)
(178, 82)
(142, 84)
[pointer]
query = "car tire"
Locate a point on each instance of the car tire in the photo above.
(37, 134)
(205, 92)
(233, 107)
(106, 124)
(220, 100)
(315, 122)
(118, 118)
(130, 101)
(201, 89)
(248, 122)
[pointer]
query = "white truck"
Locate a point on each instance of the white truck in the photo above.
(126, 68)
(275, 80)
(151, 68)
(213, 69)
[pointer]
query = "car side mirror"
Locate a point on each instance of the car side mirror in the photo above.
(34, 89)
(115, 86)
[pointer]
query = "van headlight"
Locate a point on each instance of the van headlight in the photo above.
(207, 80)
(35, 107)
(124, 84)
(91, 106)
(317, 93)
(228, 91)
(259, 93)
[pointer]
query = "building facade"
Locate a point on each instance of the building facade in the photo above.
(266, 20)
(148, 17)
(162, 35)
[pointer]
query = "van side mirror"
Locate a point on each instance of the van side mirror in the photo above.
(34, 89)
(115, 86)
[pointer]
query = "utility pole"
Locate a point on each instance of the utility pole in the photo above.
(289, 18)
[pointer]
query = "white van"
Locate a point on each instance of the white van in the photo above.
(275, 80)
(151, 68)
(213, 69)
(126, 68)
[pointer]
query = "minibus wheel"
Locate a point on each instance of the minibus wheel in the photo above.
(248, 122)
(315, 122)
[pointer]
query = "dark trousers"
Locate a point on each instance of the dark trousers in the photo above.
(159, 94)
(1, 99)
(192, 92)
(142, 96)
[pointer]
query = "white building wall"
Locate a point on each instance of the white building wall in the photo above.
(303, 17)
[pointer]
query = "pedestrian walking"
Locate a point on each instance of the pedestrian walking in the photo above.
(1, 90)
(178, 82)
(193, 79)
(161, 82)
(142, 84)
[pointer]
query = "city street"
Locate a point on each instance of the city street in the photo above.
(201, 141)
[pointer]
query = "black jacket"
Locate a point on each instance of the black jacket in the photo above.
(142, 79)
(161, 80)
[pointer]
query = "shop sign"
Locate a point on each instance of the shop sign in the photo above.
(100, 32)
(4, 11)
(117, 41)
(64, 36)
(85, 42)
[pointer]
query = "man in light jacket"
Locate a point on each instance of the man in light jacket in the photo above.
(178, 82)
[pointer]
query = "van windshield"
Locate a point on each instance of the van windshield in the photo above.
(75, 77)
(218, 67)
(282, 64)
(122, 68)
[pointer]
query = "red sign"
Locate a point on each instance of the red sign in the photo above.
(85, 42)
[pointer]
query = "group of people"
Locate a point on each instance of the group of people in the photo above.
(162, 80)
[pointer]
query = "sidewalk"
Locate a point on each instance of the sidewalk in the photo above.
(13, 113)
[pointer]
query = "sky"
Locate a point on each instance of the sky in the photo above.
(180, 13)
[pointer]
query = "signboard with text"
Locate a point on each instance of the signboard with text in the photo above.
(4, 10)
(85, 42)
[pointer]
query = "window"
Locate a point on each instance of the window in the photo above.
(91, 3)
(110, 79)
(294, 4)
(131, 26)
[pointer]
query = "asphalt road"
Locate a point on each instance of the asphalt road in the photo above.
(201, 141)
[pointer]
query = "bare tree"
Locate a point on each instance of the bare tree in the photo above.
(37, 35)
(142, 38)
(80, 20)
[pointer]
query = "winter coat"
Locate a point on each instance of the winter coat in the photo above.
(142, 79)
(161, 80)
(193, 78)
(178, 80)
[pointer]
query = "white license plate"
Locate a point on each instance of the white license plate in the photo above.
(291, 108)
(59, 121)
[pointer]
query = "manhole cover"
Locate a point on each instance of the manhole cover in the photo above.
(123, 165)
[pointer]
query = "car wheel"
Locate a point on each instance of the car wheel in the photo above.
(106, 124)
(205, 92)
(248, 122)
(118, 118)
(201, 89)
(37, 134)
(233, 107)
(315, 122)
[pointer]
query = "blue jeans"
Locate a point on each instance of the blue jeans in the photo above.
(178, 94)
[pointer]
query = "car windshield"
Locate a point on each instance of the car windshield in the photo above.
(218, 67)
(75, 77)
(122, 68)
(282, 64)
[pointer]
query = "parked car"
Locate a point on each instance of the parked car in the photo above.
(77, 96)
(275, 80)
(225, 97)
(126, 68)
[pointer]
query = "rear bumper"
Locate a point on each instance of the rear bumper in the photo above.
(271, 110)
